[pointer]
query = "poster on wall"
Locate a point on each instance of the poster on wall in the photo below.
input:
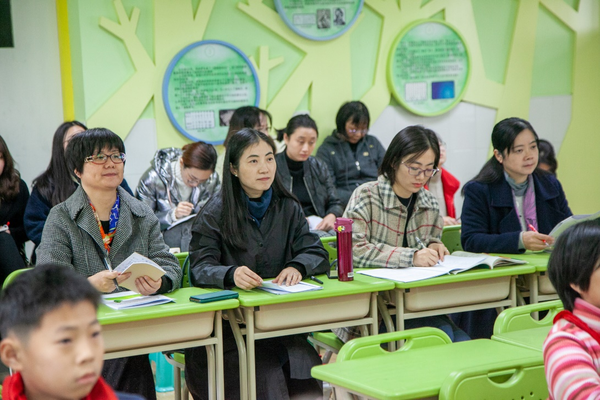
(428, 68)
(204, 84)
(319, 19)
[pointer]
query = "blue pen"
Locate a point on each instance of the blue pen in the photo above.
(420, 243)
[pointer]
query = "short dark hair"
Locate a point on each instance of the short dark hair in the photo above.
(547, 155)
(413, 140)
(199, 155)
(297, 121)
(245, 117)
(575, 257)
(89, 143)
(356, 111)
(36, 292)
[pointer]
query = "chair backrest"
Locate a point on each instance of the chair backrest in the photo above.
(181, 257)
(451, 238)
(518, 318)
(185, 277)
(512, 380)
(11, 277)
(326, 241)
(371, 345)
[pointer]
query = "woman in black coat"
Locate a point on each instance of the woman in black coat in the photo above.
(13, 198)
(255, 230)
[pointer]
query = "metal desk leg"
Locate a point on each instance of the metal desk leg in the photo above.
(399, 309)
(220, 373)
(534, 292)
(241, 346)
(385, 314)
(210, 355)
(250, 354)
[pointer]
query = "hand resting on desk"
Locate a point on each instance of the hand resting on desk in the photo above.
(245, 278)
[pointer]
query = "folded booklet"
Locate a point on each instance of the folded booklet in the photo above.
(459, 261)
(572, 220)
(129, 299)
(269, 286)
(138, 265)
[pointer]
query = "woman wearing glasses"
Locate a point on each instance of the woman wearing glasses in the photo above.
(101, 225)
(397, 223)
(352, 156)
(511, 200)
(177, 185)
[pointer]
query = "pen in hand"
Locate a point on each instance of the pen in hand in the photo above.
(536, 231)
(420, 243)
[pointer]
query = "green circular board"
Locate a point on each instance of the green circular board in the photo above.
(204, 84)
(319, 19)
(428, 68)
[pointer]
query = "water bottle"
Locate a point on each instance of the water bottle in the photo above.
(343, 230)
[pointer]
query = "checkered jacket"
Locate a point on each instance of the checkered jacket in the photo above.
(379, 221)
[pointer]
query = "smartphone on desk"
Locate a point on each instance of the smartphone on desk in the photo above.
(215, 296)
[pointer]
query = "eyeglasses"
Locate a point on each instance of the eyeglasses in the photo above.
(418, 171)
(359, 131)
(101, 159)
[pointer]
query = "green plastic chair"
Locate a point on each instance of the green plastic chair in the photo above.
(326, 241)
(519, 318)
(11, 277)
(512, 380)
(370, 346)
(451, 238)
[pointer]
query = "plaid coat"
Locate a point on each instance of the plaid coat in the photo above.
(379, 221)
(71, 230)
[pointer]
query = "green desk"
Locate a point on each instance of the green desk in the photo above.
(416, 373)
(528, 338)
(166, 327)
(476, 289)
(337, 305)
(540, 288)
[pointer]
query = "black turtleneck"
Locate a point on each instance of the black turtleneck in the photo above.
(299, 188)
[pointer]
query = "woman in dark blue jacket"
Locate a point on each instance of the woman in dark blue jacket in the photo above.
(511, 206)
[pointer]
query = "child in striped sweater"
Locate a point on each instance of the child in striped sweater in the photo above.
(572, 348)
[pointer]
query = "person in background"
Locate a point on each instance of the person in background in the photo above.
(351, 154)
(178, 183)
(245, 117)
(54, 185)
(99, 226)
(444, 186)
(305, 176)
(51, 338)
(547, 157)
(13, 198)
(255, 230)
(397, 223)
(572, 348)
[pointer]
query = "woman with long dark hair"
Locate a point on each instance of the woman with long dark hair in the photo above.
(54, 185)
(13, 198)
(255, 230)
(511, 205)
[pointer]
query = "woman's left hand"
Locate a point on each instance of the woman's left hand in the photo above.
(327, 223)
(147, 285)
(440, 248)
(290, 276)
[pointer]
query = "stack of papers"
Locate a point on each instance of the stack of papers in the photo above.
(269, 286)
(129, 299)
(139, 266)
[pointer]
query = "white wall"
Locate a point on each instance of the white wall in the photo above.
(30, 87)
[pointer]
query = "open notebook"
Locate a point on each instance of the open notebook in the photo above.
(269, 286)
(129, 299)
(459, 261)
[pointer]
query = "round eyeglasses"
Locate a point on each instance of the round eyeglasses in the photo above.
(100, 159)
(418, 171)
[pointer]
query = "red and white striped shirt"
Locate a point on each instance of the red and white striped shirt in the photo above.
(572, 356)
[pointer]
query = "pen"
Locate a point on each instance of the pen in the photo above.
(108, 267)
(420, 243)
(535, 230)
(312, 277)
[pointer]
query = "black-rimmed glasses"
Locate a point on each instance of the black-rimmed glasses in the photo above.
(418, 171)
(101, 159)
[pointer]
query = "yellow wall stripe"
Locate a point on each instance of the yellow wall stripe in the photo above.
(64, 47)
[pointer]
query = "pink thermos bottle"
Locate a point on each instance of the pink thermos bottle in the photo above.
(343, 229)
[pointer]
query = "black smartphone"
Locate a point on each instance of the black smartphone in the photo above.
(214, 296)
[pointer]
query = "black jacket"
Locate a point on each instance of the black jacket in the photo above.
(281, 240)
(318, 182)
(13, 211)
(348, 170)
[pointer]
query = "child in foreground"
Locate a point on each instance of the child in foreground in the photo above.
(51, 338)
(572, 348)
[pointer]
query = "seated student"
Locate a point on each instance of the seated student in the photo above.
(305, 176)
(255, 230)
(547, 157)
(510, 200)
(178, 184)
(444, 186)
(572, 348)
(51, 338)
(54, 185)
(397, 223)
(101, 225)
(352, 156)
(13, 198)
(245, 117)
